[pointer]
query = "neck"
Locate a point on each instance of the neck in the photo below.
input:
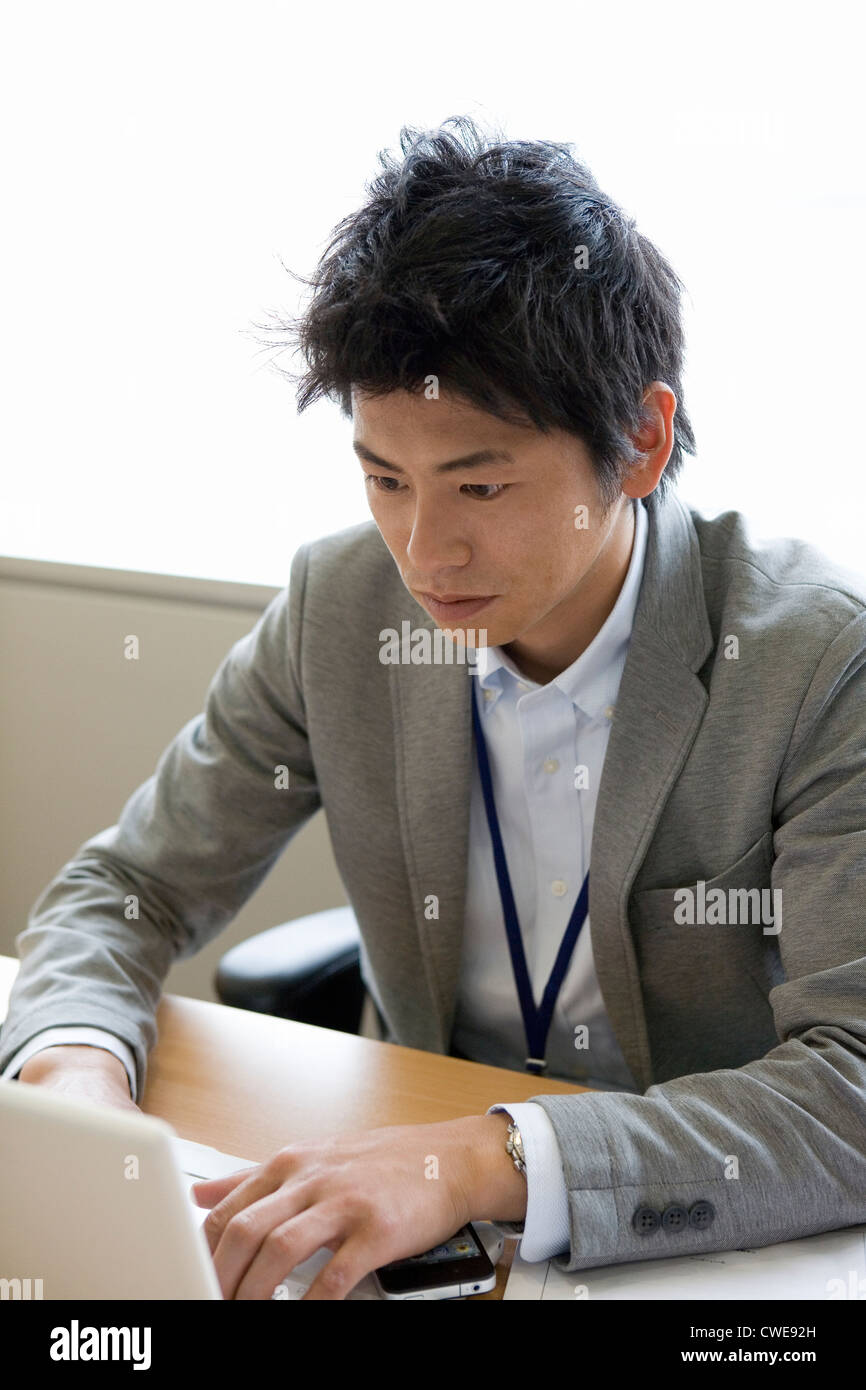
(564, 634)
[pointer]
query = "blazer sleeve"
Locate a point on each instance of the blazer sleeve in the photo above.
(775, 1149)
(191, 845)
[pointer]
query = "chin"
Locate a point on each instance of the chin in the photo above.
(495, 634)
(492, 636)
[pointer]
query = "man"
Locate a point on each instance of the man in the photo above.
(645, 714)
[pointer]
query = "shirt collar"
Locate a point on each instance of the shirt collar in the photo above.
(592, 681)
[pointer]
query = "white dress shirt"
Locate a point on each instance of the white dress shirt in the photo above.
(541, 741)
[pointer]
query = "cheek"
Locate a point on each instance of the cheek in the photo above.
(552, 558)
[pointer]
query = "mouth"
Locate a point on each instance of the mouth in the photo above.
(456, 607)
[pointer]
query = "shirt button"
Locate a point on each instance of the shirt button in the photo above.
(550, 764)
(558, 887)
(608, 714)
(522, 686)
(488, 695)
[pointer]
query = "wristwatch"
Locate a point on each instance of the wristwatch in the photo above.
(514, 1146)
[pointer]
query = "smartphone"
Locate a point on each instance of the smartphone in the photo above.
(457, 1267)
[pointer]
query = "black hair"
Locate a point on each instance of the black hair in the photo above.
(502, 269)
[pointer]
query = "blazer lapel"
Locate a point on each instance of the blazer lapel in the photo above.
(659, 709)
(433, 743)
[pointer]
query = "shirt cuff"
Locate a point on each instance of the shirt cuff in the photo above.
(546, 1231)
(74, 1036)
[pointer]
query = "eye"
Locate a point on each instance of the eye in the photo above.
(473, 490)
(378, 479)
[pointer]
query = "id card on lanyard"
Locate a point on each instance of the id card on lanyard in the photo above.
(536, 1021)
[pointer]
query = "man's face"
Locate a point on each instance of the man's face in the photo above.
(491, 545)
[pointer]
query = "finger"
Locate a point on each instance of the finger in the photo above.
(287, 1245)
(257, 1183)
(208, 1191)
(357, 1256)
(246, 1230)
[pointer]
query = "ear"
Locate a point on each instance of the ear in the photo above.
(654, 441)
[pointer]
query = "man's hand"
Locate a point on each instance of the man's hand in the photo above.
(84, 1073)
(370, 1197)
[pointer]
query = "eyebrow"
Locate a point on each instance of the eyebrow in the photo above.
(475, 460)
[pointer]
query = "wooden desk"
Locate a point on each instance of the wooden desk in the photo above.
(249, 1083)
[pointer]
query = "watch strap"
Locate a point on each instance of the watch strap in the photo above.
(514, 1148)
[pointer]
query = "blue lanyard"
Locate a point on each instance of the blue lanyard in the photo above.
(536, 1022)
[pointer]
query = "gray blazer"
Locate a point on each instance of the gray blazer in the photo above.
(741, 771)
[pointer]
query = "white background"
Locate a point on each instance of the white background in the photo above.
(161, 161)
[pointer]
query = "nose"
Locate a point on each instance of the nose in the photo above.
(436, 541)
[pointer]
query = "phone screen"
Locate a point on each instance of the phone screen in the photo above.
(460, 1247)
(460, 1260)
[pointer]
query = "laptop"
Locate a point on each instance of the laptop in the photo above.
(96, 1202)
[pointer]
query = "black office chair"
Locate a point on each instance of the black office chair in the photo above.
(307, 969)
